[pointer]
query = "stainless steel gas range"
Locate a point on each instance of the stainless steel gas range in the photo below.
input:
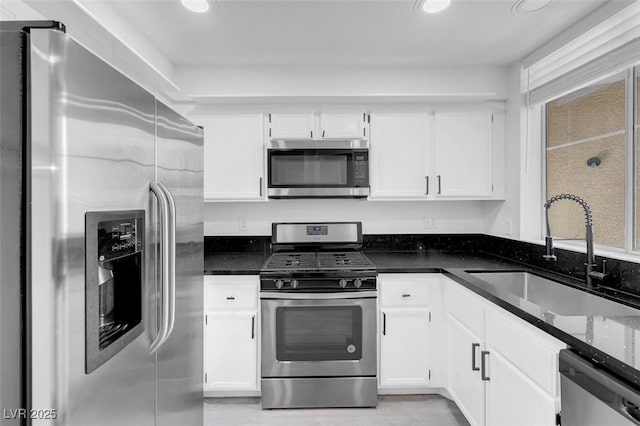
(318, 300)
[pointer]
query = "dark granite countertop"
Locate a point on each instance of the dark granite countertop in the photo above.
(434, 261)
(249, 263)
(612, 340)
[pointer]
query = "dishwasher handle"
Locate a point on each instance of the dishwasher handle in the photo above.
(618, 395)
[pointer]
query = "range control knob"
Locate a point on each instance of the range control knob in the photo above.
(294, 283)
(279, 284)
(357, 283)
(343, 283)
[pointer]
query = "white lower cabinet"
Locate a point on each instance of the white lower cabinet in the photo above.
(512, 398)
(465, 386)
(406, 331)
(231, 332)
(404, 348)
(501, 370)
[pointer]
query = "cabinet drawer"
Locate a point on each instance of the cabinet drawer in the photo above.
(405, 290)
(465, 306)
(532, 351)
(231, 292)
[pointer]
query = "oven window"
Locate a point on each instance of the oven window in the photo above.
(309, 169)
(309, 333)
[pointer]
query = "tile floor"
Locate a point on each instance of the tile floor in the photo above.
(392, 410)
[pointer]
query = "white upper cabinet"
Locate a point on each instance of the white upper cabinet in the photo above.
(318, 126)
(292, 126)
(452, 155)
(343, 126)
(463, 151)
(233, 157)
(399, 166)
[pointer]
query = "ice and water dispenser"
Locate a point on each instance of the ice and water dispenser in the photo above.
(114, 282)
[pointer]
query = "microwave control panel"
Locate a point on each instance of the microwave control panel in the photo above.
(361, 168)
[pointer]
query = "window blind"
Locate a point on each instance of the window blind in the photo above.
(602, 51)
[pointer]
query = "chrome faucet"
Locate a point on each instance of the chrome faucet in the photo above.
(590, 273)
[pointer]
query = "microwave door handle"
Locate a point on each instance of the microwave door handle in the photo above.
(171, 244)
(164, 265)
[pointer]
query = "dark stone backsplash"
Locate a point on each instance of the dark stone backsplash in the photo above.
(237, 244)
(420, 242)
(624, 276)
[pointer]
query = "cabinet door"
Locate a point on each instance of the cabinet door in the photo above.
(463, 154)
(292, 126)
(513, 399)
(465, 384)
(339, 126)
(233, 157)
(231, 351)
(404, 348)
(398, 156)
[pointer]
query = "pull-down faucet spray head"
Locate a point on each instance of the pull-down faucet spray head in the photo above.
(591, 258)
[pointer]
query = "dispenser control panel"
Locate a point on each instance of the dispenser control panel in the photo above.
(119, 237)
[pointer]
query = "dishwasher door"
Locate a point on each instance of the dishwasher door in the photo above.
(590, 396)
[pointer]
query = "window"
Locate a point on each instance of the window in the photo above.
(637, 162)
(587, 137)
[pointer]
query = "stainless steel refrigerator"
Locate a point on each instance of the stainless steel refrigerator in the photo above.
(101, 242)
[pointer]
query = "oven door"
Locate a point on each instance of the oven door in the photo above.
(316, 337)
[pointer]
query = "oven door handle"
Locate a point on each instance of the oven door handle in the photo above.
(319, 296)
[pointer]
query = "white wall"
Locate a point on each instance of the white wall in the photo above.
(296, 89)
(100, 30)
(16, 10)
(377, 217)
(347, 80)
(503, 220)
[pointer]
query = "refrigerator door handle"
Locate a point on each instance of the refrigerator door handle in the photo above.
(171, 258)
(164, 265)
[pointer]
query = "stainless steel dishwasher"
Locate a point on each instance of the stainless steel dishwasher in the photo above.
(590, 396)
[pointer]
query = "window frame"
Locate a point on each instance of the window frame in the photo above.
(630, 251)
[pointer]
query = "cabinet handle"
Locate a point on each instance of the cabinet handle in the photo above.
(406, 295)
(474, 367)
(439, 185)
(311, 134)
(384, 324)
(253, 327)
(323, 133)
(231, 298)
(483, 359)
(426, 192)
(261, 186)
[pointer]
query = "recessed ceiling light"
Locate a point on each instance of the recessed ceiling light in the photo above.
(432, 6)
(527, 6)
(199, 6)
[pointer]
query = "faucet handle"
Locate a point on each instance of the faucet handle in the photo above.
(549, 256)
(601, 277)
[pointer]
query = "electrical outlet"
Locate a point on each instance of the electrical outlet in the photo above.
(508, 227)
(429, 222)
(242, 224)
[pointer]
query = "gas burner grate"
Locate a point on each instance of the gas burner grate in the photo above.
(343, 260)
(292, 261)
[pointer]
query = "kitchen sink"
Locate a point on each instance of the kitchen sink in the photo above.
(553, 296)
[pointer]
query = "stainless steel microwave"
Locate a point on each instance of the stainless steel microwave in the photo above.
(318, 168)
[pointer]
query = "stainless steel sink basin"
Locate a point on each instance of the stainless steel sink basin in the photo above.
(553, 296)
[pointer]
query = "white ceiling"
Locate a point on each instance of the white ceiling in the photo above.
(351, 32)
